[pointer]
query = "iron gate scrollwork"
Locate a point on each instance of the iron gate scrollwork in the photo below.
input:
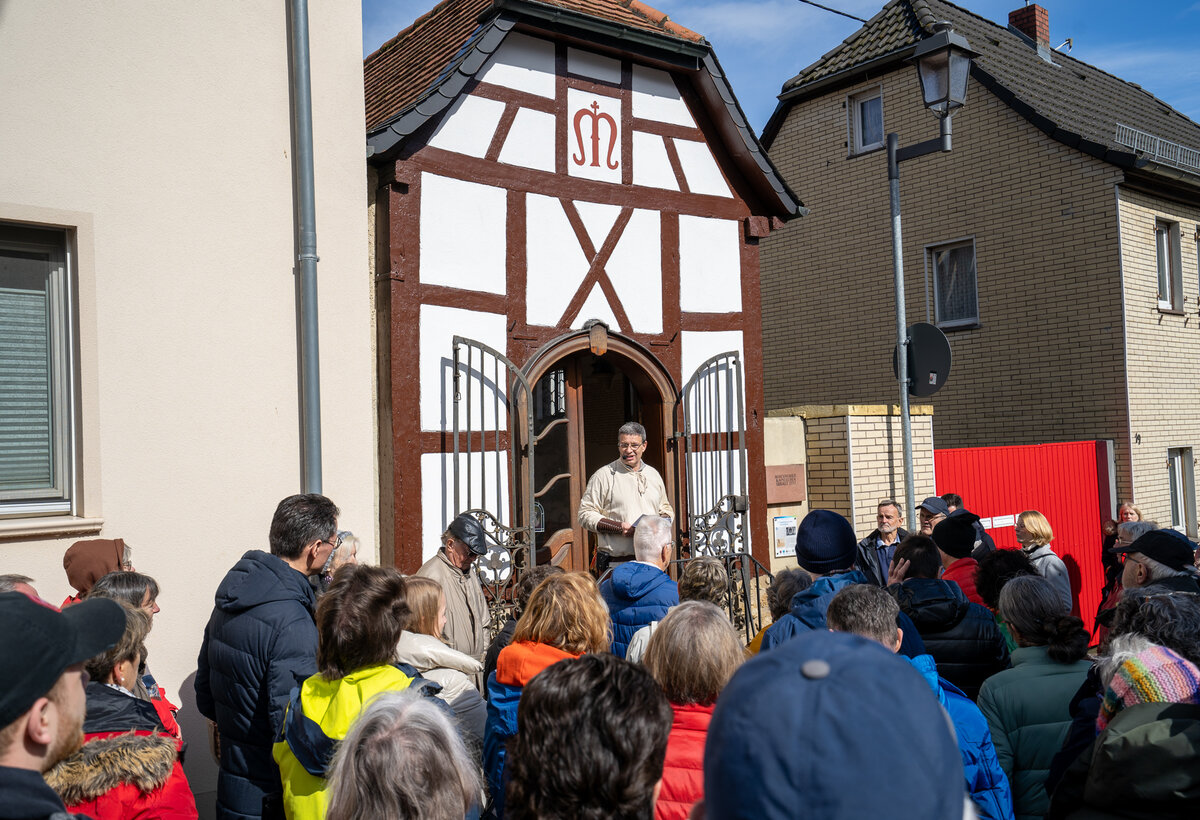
(714, 434)
(492, 467)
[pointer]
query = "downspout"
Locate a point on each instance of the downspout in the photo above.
(306, 237)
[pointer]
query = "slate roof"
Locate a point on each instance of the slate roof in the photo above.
(416, 75)
(1075, 103)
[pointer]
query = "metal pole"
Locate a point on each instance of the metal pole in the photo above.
(893, 142)
(306, 219)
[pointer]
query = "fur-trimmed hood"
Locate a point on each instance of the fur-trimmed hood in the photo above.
(141, 760)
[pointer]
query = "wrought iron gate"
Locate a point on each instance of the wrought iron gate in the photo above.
(714, 436)
(492, 466)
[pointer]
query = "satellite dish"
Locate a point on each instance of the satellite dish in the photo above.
(928, 359)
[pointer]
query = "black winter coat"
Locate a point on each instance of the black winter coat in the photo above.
(962, 637)
(260, 642)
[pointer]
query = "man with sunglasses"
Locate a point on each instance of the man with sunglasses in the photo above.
(259, 643)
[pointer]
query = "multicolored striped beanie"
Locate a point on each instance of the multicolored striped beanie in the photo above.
(1154, 675)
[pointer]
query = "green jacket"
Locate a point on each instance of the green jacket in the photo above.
(1145, 764)
(1027, 708)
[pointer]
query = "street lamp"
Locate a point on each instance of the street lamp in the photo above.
(943, 65)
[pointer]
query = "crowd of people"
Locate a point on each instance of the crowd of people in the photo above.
(925, 675)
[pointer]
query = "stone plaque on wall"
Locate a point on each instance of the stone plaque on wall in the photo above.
(785, 484)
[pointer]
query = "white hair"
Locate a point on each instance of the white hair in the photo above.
(652, 534)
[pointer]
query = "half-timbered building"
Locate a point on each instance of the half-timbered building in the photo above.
(568, 203)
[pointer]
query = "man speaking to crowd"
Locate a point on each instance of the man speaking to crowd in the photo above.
(620, 493)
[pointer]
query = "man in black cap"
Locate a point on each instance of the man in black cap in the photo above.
(42, 702)
(1162, 557)
(931, 512)
(467, 616)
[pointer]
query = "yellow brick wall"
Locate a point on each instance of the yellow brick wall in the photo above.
(1046, 363)
(878, 465)
(1163, 349)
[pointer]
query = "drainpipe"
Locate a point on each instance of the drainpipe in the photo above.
(306, 234)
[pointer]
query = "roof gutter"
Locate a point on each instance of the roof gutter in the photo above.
(306, 238)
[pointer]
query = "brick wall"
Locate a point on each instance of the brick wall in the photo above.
(1046, 362)
(1164, 368)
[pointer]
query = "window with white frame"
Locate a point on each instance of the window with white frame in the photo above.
(37, 449)
(952, 267)
(1183, 496)
(1170, 285)
(866, 121)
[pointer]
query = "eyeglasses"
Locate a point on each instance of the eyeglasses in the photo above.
(335, 542)
(629, 446)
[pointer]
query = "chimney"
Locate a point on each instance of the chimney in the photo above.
(1032, 21)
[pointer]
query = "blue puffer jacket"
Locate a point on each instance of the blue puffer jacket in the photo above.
(260, 642)
(636, 594)
(808, 613)
(986, 781)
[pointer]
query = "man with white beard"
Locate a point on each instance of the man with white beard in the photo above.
(42, 702)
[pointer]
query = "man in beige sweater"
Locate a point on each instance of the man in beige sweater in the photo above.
(620, 493)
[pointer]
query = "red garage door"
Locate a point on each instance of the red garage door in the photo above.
(1071, 484)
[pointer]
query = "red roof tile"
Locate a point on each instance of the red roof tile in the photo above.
(406, 67)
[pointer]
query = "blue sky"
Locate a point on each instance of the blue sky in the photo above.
(762, 43)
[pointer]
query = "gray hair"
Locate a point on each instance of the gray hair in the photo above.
(1120, 649)
(1131, 531)
(1157, 570)
(652, 534)
(1032, 606)
(632, 428)
(693, 653)
(866, 610)
(402, 758)
(890, 502)
(8, 583)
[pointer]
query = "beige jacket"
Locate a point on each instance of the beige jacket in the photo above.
(467, 616)
(439, 663)
(620, 494)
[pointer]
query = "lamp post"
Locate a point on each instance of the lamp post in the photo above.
(943, 65)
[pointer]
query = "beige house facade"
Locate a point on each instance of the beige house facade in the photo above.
(147, 241)
(1056, 246)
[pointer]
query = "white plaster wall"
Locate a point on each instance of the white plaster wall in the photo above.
(181, 162)
(463, 236)
(437, 491)
(655, 97)
(530, 141)
(651, 166)
(469, 125)
(635, 269)
(439, 326)
(598, 220)
(710, 265)
(597, 306)
(579, 100)
(698, 346)
(523, 63)
(593, 66)
(554, 261)
(700, 169)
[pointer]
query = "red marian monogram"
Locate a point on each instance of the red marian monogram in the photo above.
(597, 118)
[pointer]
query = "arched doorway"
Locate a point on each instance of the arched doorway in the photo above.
(585, 386)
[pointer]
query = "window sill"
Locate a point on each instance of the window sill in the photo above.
(1171, 311)
(953, 328)
(14, 528)
(872, 150)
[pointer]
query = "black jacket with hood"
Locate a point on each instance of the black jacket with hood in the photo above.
(260, 642)
(962, 637)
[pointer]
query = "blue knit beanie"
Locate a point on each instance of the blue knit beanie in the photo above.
(825, 542)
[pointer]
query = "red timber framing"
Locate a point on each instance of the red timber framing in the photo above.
(400, 293)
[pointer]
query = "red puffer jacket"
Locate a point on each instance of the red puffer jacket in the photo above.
(683, 769)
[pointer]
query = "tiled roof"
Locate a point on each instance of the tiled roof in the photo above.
(406, 67)
(1076, 103)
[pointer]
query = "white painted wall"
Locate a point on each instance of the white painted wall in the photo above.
(651, 166)
(554, 261)
(178, 171)
(700, 169)
(439, 326)
(603, 118)
(478, 490)
(593, 66)
(523, 63)
(710, 265)
(635, 269)
(469, 125)
(463, 234)
(530, 141)
(655, 97)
